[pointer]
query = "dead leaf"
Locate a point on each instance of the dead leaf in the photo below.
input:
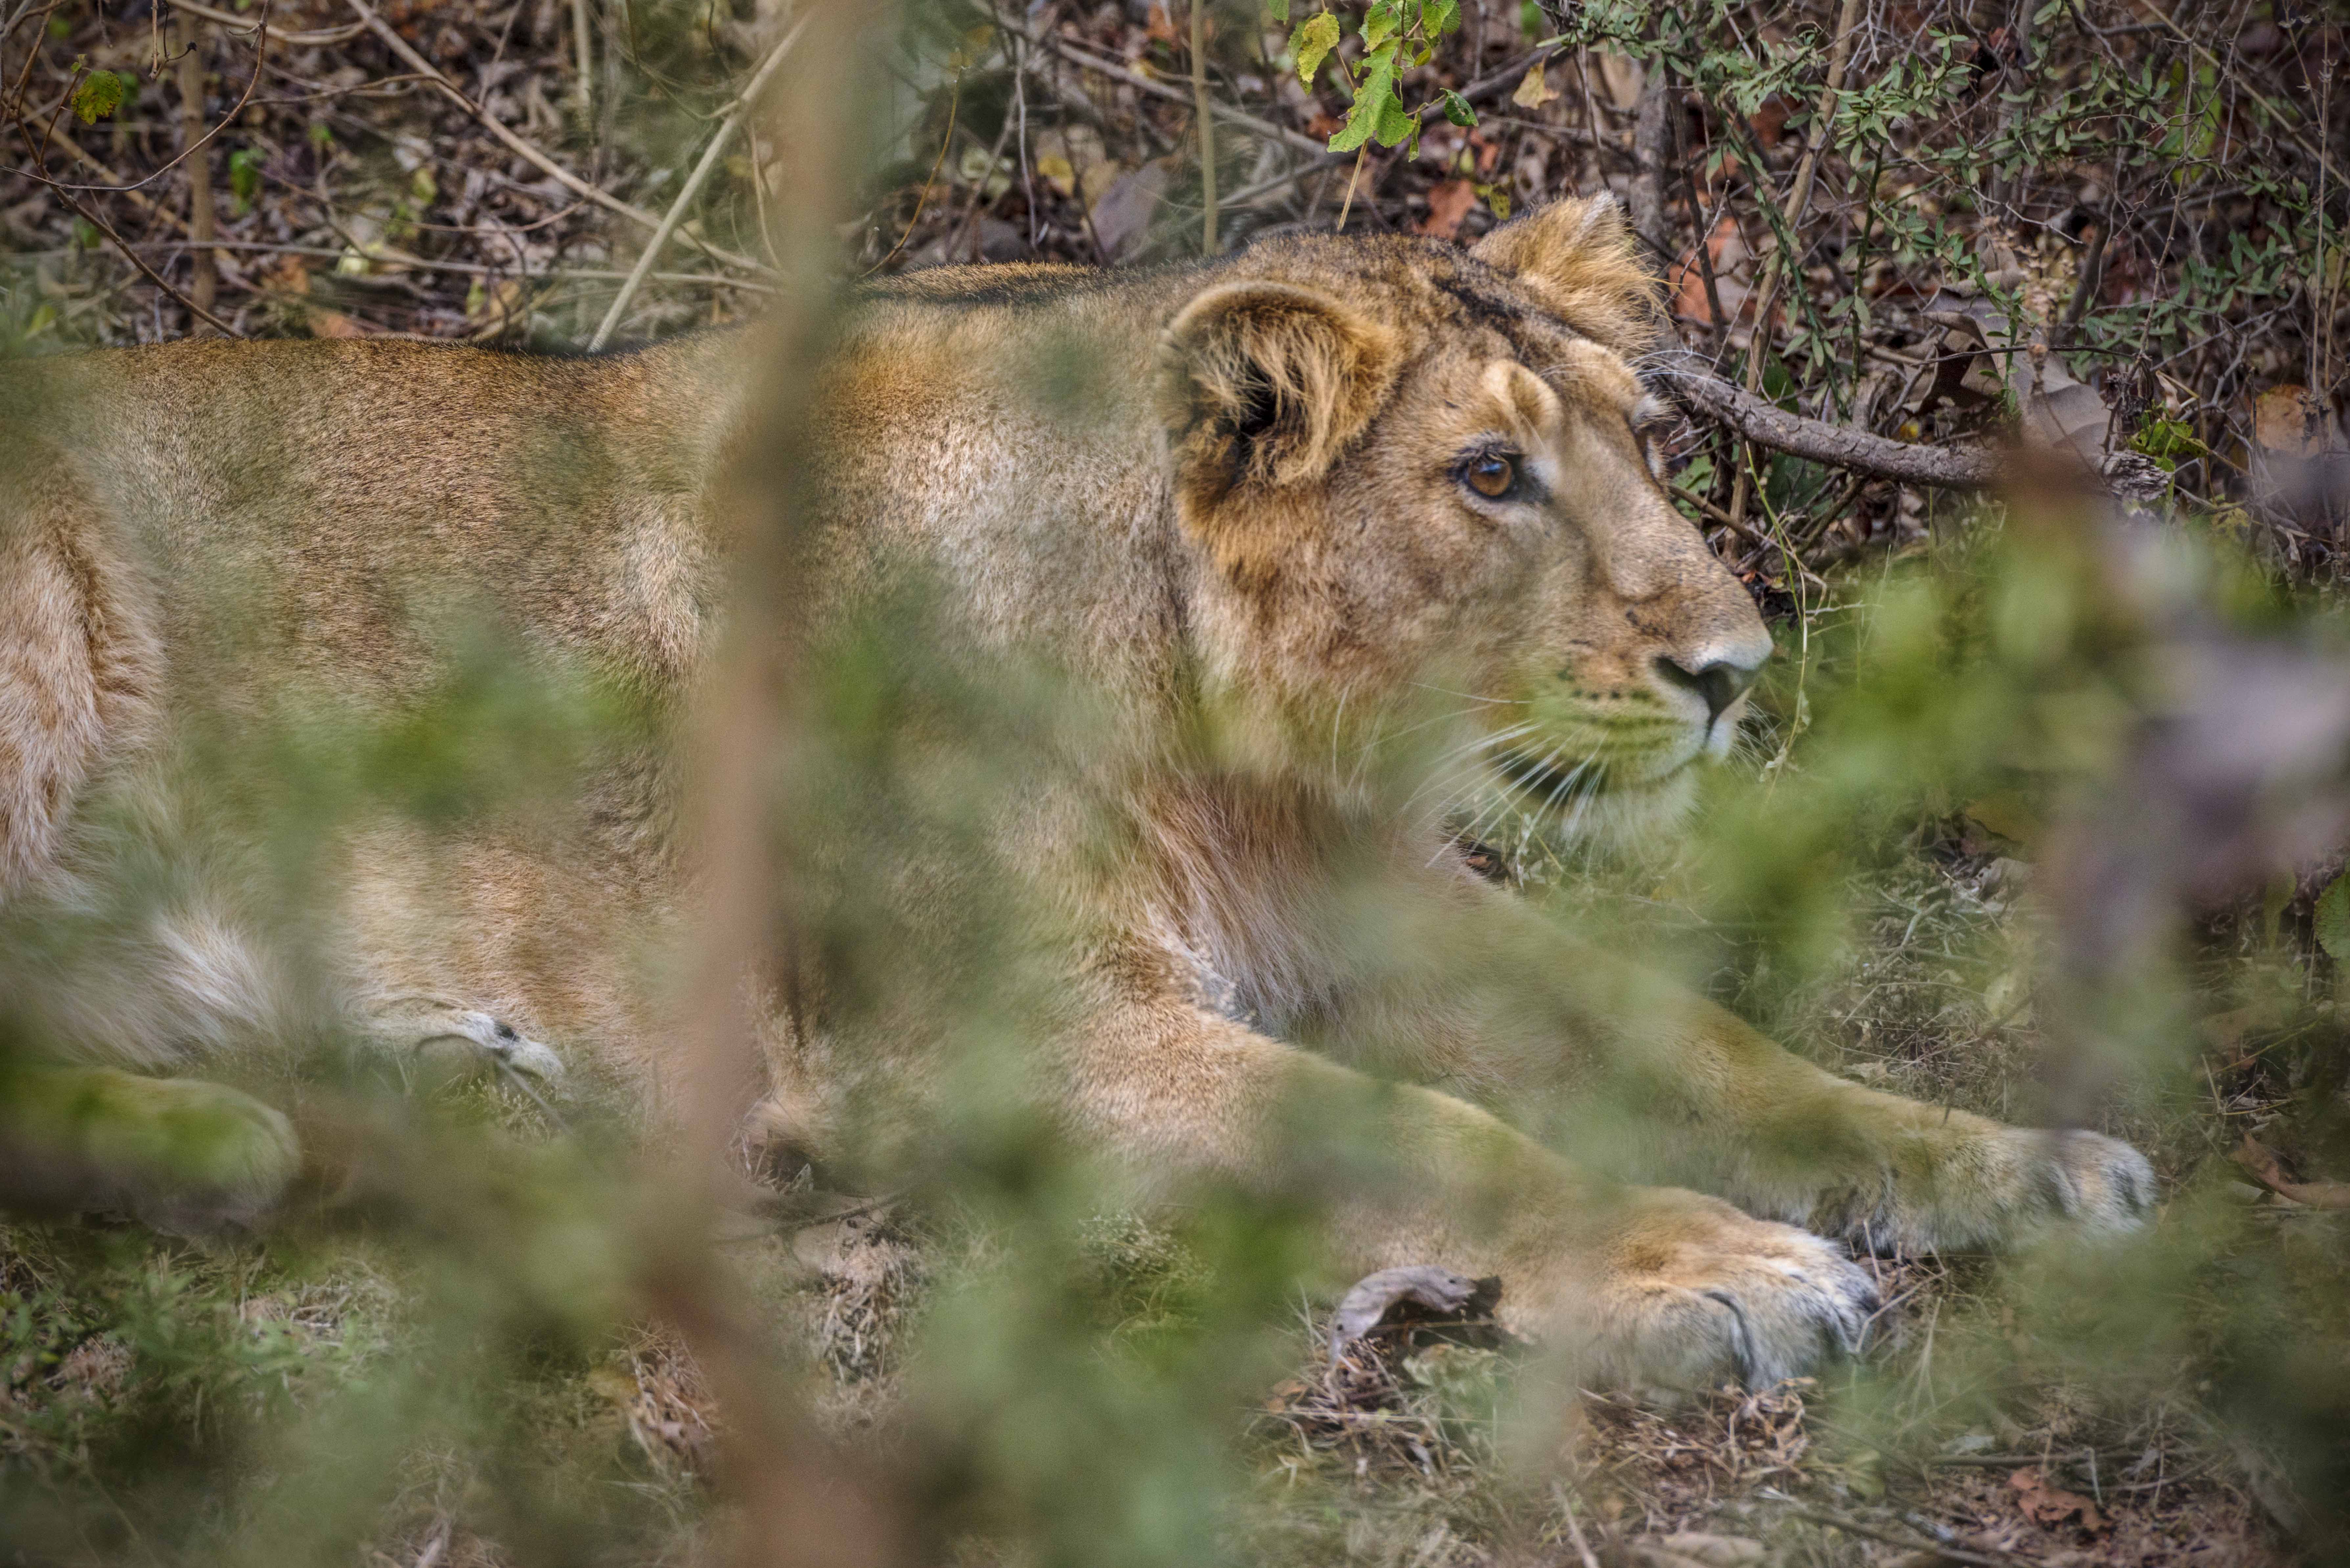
(1726, 249)
(1533, 91)
(1417, 1292)
(2049, 1506)
(1284, 1394)
(2262, 1164)
(498, 308)
(1056, 171)
(2285, 421)
(1127, 204)
(1622, 75)
(1448, 205)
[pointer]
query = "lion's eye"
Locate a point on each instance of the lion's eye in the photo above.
(1489, 475)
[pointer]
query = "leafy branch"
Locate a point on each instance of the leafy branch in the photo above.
(1397, 36)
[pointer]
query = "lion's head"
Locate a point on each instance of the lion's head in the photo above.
(1419, 470)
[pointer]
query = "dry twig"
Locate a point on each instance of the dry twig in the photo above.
(694, 181)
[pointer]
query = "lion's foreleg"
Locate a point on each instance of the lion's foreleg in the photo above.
(1649, 1082)
(1648, 1285)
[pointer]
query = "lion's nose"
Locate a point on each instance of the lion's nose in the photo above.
(1721, 683)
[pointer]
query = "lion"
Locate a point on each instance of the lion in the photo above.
(1278, 498)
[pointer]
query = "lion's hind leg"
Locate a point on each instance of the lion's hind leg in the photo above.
(181, 1153)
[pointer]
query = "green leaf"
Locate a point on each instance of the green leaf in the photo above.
(244, 177)
(1437, 17)
(1382, 22)
(1278, 9)
(1457, 109)
(1361, 120)
(2167, 441)
(1312, 43)
(2333, 920)
(1396, 122)
(1372, 98)
(99, 94)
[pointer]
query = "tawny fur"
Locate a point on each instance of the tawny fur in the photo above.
(1234, 498)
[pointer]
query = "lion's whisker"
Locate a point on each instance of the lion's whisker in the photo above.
(1446, 768)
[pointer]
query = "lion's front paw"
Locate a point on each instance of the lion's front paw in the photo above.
(1682, 1292)
(2086, 1178)
(1972, 1183)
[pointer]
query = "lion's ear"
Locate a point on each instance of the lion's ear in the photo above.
(1580, 258)
(1267, 384)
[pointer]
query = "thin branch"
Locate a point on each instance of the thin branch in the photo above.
(1272, 182)
(297, 40)
(148, 204)
(1691, 380)
(954, 106)
(1775, 271)
(260, 47)
(1141, 83)
(1507, 78)
(157, 278)
(693, 183)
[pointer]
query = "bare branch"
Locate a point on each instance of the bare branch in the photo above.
(1691, 380)
(294, 40)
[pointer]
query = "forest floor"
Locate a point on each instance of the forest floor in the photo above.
(1395, 1451)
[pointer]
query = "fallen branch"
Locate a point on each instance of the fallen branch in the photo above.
(1688, 378)
(523, 148)
(2260, 1162)
(1984, 1556)
(145, 203)
(157, 278)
